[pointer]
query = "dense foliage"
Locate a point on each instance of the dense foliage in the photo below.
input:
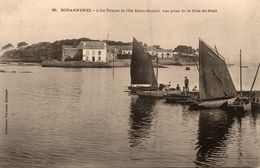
(21, 44)
(7, 46)
(184, 49)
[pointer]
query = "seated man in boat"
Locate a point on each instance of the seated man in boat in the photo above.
(195, 89)
(169, 84)
(178, 87)
(168, 87)
(162, 86)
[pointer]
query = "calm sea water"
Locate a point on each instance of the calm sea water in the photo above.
(65, 118)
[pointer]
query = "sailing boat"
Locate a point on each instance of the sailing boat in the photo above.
(255, 99)
(242, 103)
(216, 87)
(144, 82)
(141, 70)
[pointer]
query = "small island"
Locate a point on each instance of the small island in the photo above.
(85, 52)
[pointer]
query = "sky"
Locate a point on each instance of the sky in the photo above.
(235, 25)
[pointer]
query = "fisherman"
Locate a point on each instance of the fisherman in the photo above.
(186, 83)
(178, 87)
(195, 89)
(162, 86)
(168, 87)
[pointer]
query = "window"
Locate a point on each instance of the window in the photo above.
(162, 55)
(129, 53)
(99, 52)
(93, 59)
(99, 58)
(93, 52)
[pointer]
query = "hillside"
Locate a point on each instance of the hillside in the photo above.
(53, 51)
(38, 52)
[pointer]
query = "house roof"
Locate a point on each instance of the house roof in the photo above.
(126, 47)
(150, 48)
(113, 48)
(92, 45)
(163, 50)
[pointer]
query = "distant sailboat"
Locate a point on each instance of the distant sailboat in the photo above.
(255, 98)
(141, 70)
(242, 103)
(215, 84)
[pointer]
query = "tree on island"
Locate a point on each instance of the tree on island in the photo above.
(7, 46)
(184, 49)
(157, 46)
(22, 44)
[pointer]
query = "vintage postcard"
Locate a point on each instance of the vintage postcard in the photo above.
(128, 83)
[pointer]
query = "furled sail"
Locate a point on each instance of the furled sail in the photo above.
(142, 71)
(214, 78)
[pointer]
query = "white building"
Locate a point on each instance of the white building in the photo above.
(152, 50)
(93, 51)
(163, 53)
(126, 50)
(159, 52)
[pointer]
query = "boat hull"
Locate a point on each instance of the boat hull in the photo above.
(256, 106)
(179, 99)
(243, 107)
(211, 104)
(241, 104)
(157, 93)
(135, 88)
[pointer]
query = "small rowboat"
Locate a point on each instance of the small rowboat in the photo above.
(241, 104)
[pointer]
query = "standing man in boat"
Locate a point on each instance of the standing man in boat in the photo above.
(186, 83)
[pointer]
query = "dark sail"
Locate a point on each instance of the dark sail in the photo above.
(141, 66)
(214, 78)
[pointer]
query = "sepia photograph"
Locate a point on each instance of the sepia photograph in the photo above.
(129, 84)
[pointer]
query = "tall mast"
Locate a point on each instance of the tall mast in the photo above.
(241, 94)
(255, 78)
(113, 54)
(157, 72)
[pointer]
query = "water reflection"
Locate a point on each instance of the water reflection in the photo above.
(6, 111)
(254, 116)
(141, 117)
(212, 135)
(6, 126)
